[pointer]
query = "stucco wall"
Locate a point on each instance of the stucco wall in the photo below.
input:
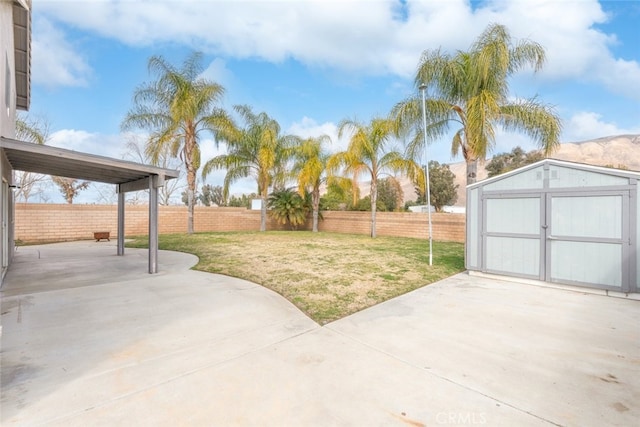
(7, 125)
(7, 70)
(59, 222)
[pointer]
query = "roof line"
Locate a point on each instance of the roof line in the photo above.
(102, 163)
(575, 165)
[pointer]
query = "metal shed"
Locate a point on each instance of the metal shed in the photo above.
(559, 222)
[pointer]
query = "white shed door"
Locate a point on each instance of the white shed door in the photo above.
(585, 238)
(512, 235)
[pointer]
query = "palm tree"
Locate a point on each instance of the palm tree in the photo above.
(256, 150)
(367, 156)
(309, 167)
(178, 107)
(135, 149)
(471, 89)
(287, 206)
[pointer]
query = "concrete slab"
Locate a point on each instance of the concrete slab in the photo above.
(564, 356)
(66, 265)
(190, 348)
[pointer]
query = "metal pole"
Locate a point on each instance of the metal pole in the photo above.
(120, 222)
(153, 224)
(423, 89)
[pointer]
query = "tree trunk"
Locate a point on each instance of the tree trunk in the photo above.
(374, 202)
(472, 171)
(191, 190)
(190, 209)
(189, 144)
(263, 212)
(315, 200)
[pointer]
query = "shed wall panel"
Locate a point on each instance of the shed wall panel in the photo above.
(513, 215)
(519, 256)
(587, 262)
(531, 179)
(561, 177)
(594, 216)
(473, 233)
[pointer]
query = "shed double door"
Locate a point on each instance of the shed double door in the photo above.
(562, 237)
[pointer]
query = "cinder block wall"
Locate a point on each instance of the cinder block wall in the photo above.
(445, 226)
(39, 223)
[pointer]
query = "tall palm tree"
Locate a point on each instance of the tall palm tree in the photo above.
(471, 90)
(256, 150)
(309, 167)
(368, 155)
(178, 107)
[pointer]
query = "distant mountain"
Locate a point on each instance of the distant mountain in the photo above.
(610, 150)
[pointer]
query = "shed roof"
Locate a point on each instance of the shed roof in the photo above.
(563, 163)
(29, 157)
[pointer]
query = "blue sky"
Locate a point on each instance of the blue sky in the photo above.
(310, 64)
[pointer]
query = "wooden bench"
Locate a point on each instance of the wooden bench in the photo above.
(99, 235)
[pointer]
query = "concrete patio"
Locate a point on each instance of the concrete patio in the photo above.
(89, 338)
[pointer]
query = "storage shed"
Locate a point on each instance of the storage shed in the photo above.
(559, 222)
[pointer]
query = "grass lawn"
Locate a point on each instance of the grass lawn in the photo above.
(326, 275)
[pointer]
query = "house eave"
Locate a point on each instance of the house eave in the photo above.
(22, 52)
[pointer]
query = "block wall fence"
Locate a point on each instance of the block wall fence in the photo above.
(41, 223)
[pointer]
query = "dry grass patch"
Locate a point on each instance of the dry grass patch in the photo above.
(326, 275)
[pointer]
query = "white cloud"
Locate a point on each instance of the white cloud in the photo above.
(308, 128)
(55, 61)
(218, 72)
(620, 76)
(575, 48)
(588, 125)
(372, 36)
(87, 142)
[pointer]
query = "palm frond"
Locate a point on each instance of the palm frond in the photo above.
(536, 120)
(457, 143)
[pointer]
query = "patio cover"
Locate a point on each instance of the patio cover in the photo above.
(127, 176)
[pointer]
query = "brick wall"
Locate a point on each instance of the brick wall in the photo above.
(445, 226)
(51, 222)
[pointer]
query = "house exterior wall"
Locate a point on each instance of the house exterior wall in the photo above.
(7, 129)
(6, 216)
(7, 77)
(637, 229)
(40, 223)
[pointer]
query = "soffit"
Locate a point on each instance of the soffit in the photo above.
(29, 157)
